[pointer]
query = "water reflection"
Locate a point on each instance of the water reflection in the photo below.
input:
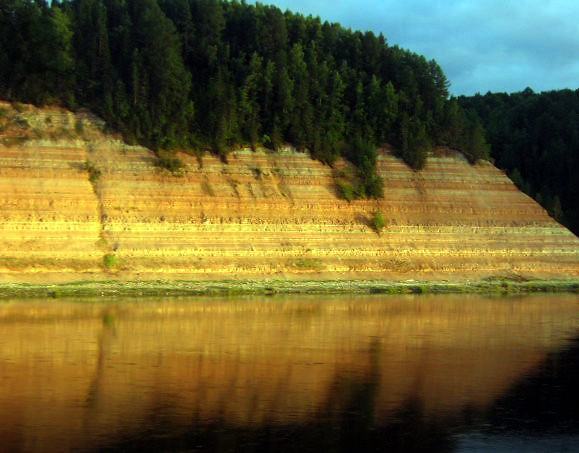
(282, 374)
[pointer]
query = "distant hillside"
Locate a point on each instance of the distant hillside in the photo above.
(535, 138)
(79, 204)
(212, 74)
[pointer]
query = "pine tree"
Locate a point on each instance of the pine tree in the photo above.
(165, 108)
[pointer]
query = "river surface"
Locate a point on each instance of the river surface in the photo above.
(283, 374)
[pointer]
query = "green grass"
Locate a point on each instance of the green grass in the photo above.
(377, 221)
(175, 288)
(308, 263)
(110, 261)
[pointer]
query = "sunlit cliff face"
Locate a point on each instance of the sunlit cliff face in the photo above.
(77, 374)
(69, 200)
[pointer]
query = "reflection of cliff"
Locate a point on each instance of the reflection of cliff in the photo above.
(76, 374)
(66, 202)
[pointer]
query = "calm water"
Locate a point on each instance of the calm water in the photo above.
(412, 373)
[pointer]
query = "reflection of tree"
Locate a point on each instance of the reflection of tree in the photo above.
(96, 388)
(356, 399)
(410, 430)
(381, 401)
(546, 401)
(346, 423)
(103, 347)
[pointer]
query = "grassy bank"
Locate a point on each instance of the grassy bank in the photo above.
(271, 287)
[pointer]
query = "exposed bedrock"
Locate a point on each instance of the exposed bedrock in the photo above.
(87, 205)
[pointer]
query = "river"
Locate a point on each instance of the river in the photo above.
(452, 373)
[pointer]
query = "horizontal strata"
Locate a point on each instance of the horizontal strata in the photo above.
(264, 215)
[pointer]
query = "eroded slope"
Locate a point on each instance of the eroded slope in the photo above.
(71, 199)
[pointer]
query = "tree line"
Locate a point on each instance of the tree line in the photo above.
(213, 74)
(535, 138)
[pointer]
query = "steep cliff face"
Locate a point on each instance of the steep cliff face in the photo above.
(76, 201)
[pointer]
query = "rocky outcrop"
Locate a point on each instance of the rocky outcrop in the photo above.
(76, 201)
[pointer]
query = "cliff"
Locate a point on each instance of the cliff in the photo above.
(81, 204)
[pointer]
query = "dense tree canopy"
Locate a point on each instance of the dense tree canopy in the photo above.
(213, 74)
(535, 138)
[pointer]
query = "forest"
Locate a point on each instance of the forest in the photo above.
(535, 138)
(212, 74)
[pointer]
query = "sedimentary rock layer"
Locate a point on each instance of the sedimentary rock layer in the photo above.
(68, 201)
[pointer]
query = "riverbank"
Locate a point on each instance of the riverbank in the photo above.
(270, 287)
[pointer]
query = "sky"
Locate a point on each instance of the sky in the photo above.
(481, 45)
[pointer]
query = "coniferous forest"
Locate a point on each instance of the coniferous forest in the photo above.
(214, 74)
(535, 138)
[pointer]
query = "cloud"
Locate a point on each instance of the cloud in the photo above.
(491, 45)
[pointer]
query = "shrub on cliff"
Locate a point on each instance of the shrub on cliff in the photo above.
(377, 221)
(110, 261)
(94, 173)
(167, 162)
(345, 190)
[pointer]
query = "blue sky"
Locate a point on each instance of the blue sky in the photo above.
(482, 45)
